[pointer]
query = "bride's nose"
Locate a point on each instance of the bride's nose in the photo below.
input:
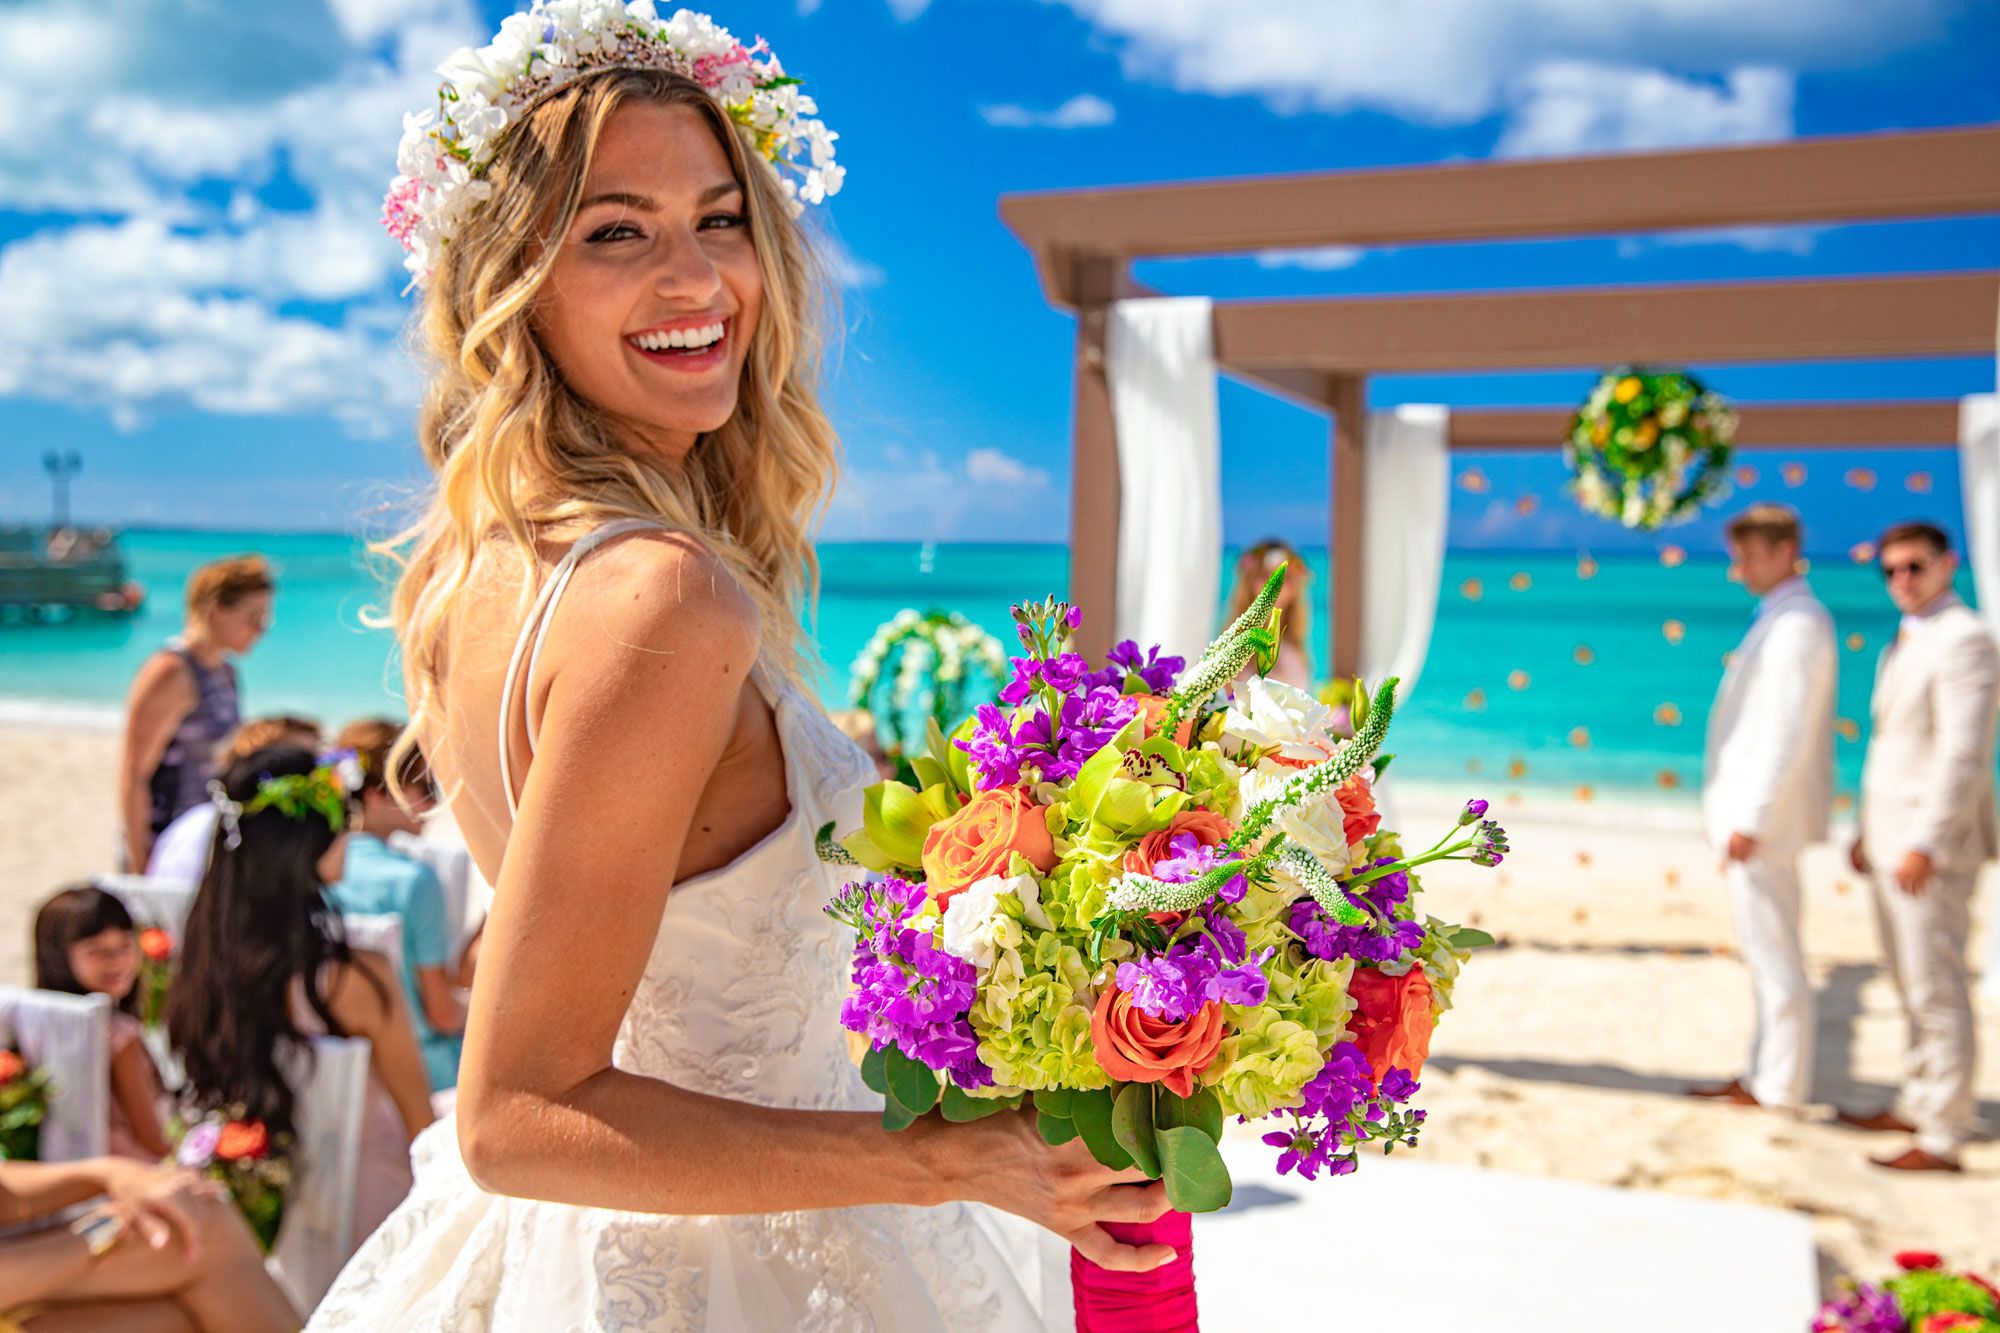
(686, 271)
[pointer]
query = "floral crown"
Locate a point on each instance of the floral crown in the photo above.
(444, 154)
(327, 791)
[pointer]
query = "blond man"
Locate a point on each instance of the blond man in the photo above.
(1767, 792)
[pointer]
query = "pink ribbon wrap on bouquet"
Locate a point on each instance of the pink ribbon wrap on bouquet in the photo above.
(1161, 1301)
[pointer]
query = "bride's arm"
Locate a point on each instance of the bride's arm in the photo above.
(645, 668)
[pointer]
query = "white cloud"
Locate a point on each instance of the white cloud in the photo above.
(1083, 111)
(1459, 62)
(847, 269)
(1798, 240)
(1318, 259)
(908, 9)
(138, 115)
(989, 494)
(1579, 107)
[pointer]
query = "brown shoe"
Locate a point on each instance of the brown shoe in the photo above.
(1877, 1122)
(1733, 1093)
(1916, 1159)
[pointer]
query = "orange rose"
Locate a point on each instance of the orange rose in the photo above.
(1135, 1047)
(12, 1066)
(1393, 1022)
(243, 1139)
(1152, 707)
(1209, 829)
(156, 945)
(981, 840)
(1357, 805)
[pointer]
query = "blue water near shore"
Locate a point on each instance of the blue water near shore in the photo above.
(1465, 723)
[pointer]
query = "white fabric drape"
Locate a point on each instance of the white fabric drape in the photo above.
(1405, 503)
(1979, 475)
(70, 1036)
(1160, 364)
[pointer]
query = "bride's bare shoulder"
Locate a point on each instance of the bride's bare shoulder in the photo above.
(659, 592)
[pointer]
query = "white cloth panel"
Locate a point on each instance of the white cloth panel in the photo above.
(376, 933)
(317, 1234)
(1406, 500)
(70, 1036)
(1160, 364)
(152, 902)
(1979, 475)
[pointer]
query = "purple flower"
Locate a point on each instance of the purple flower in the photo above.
(1209, 965)
(908, 992)
(1125, 659)
(1002, 750)
(1398, 1086)
(1474, 811)
(1325, 938)
(1865, 1308)
(198, 1145)
(1075, 617)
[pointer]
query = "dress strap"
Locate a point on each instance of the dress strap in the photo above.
(535, 632)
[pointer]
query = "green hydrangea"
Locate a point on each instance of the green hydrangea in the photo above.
(1033, 1018)
(1263, 1065)
(1923, 1292)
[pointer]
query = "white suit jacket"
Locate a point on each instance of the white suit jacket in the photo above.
(1927, 782)
(1768, 771)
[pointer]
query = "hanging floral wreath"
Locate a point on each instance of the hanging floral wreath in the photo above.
(1649, 447)
(932, 679)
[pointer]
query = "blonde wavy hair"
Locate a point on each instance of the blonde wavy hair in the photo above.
(517, 453)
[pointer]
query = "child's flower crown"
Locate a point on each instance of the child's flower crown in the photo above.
(444, 154)
(327, 791)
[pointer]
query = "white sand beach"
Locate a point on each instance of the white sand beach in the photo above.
(1614, 987)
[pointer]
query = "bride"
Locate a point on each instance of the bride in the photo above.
(657, 1124)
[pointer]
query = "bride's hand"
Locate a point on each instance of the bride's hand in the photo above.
(1002, 1161)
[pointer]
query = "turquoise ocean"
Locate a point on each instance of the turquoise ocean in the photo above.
(1514, 671)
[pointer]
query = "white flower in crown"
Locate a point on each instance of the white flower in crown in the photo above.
(486, 92)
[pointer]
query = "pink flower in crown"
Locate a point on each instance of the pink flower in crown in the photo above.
(399, 209)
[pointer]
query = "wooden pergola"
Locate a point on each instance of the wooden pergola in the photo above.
(1321, 351)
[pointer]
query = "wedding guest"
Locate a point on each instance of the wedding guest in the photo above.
(1767, 791)
(1253, 567)
(183, 701)
(264, 968)
(1927, 822)
(181, 851)
(380, 880)
(165, 1250)
(85, 944)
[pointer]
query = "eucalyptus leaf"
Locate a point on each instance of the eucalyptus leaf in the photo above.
(1202, 1111)
(896, 1116)
(1091, 1113)
(1055, 1130)
(960, 1109)
(1132, 1125)
(1469, 937)
(912, 1084)
(875, 1070)
(1054, 1101)
(1197, 1181)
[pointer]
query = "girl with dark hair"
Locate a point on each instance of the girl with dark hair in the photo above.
(264, 968)
(84, 945)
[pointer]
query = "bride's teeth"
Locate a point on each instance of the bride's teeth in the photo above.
(706, 336)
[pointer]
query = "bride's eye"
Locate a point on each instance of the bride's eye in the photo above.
(724, 221)
(610, 231)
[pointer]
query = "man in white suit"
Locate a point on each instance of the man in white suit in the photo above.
(1767, 789)
(1927, 822)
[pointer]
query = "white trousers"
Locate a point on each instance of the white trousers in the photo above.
(1924, 941)
(1764, 892)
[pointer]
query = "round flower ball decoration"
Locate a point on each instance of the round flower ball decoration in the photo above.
(1649, 447)
(922, 667)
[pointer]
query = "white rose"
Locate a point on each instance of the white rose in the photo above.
(1269, 713)
(1320, 827)
(977, 929)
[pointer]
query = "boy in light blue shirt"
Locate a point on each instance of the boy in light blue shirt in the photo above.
(382, 881)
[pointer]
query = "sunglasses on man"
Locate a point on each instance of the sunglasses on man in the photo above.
(1910, 567)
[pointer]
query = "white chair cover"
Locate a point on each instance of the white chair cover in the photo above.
(70, 1036)
(317, 1236)
(152, 902)
(377, 933)
(1408, 499)
(1979, 476)
(1159, 357)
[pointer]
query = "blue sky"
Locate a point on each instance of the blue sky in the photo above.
(195, 295)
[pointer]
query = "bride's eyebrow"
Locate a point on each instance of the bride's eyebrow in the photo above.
(645, 204)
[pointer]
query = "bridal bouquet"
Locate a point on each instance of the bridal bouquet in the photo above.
(24, 1104)
(1926, 1297)
(1144, 907)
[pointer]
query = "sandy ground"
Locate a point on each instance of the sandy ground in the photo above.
(1614, 986)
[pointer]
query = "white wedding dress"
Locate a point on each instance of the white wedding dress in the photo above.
(740, 999)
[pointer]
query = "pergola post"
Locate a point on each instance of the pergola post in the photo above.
(1094, 483)
(1347, 395)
